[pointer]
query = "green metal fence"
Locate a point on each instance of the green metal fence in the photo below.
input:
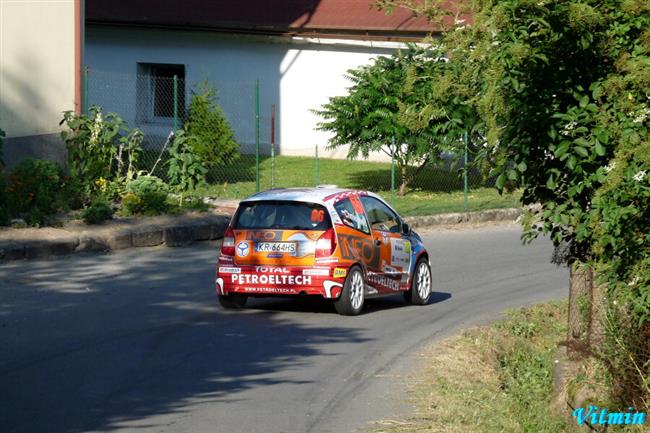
(158, 106)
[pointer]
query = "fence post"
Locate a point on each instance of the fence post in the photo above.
(84, 109)
(257, 135)
(392, 173)
(317, 172)
(175, 103)
(465, 189)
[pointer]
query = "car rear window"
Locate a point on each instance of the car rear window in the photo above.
(283, 215)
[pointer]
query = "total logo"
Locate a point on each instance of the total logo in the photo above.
(270, 270)
(243, 249)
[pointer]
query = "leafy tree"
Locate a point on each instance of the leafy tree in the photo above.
(215, 142)
(402, 105)
(563, 92)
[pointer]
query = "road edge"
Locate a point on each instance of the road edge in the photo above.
(181, 231)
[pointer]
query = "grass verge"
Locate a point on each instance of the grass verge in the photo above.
(490, 379)
(432, 191)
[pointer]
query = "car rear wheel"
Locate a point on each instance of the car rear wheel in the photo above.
(420, 290)
(350, 302)
(233, 301)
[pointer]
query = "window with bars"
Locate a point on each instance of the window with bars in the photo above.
(155, 91)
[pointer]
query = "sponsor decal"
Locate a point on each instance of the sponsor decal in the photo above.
(357, 248)
(384, 281)
(284, 280)
(339, 272)
(327, 259)
(316, 271)
(243, 249)
(389, 269)
(400, 253)
(223, 270)
(271, 270)
(334, 216)
(266, 235)
(270, 290)
(356, 221)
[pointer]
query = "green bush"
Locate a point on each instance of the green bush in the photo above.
(186, 169)
(99, 211)
(146, 195)
(101, 148)
(34, 191)
(215, 142)
(91, 142)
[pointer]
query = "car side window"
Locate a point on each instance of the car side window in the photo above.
(351, 215)
(381, 217)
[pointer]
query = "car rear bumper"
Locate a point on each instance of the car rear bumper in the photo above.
(280, 280)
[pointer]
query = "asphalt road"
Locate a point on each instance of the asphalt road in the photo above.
(135, 341)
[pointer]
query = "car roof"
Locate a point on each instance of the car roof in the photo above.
(308, 195)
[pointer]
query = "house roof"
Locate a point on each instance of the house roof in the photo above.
(336, 18)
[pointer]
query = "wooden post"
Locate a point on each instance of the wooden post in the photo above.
(580, 289)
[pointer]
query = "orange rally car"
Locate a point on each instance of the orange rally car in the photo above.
(343, 245)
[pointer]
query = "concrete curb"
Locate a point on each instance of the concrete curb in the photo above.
(491, 215)
(170, 231)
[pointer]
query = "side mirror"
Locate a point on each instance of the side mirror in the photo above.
(406, 229)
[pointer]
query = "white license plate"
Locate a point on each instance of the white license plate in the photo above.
(275, 247)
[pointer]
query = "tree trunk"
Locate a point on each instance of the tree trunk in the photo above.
(580, 288)
(597, 318)
(404, 181)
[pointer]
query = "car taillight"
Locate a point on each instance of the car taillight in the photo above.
(326, 244)
(228, 244)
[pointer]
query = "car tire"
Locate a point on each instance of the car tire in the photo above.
(350, 302)
(234, 301)
(420, 291)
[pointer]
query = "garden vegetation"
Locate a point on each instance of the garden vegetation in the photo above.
(104, 171)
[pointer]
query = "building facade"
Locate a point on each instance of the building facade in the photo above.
(298, 52)
(40, 55)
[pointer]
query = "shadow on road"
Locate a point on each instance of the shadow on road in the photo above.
(90, 344)
(324, 306)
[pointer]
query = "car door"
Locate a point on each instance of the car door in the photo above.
(354, 235)
(395, 248)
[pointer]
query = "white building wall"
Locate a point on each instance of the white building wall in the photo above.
(37, 76)
(297, 76)
(36, 65)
